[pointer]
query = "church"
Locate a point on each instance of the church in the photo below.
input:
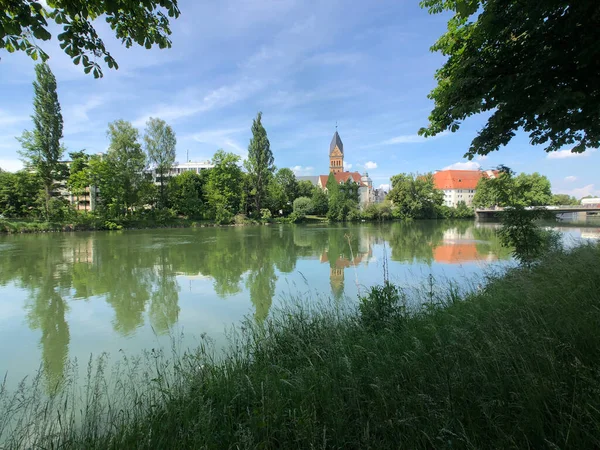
(336, 166)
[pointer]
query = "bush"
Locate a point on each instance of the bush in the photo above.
(112, 226)
(303, 206)
(381, 306)
(377, 211)
(265, 214)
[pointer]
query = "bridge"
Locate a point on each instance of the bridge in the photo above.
(488, 213)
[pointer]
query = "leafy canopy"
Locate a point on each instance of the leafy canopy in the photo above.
(509, 190)
(533, 65)
(415, 197)
(23, 23)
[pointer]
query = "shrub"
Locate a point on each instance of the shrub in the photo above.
(265, 214)
(303, 206)
(382, 306)
(108, 225)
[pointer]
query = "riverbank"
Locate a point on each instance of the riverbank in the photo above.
(513, 364)
(8, 226)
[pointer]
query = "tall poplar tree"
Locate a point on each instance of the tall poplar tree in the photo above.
(160, 142)
(260, 162)
(41, 147)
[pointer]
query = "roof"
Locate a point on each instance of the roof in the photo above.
(314, 179)
(460, 179)
(456, 253)
(341, 177)
(336, 141)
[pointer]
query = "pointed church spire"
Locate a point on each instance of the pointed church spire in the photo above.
(336, 141)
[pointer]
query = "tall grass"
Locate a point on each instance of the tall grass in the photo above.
(515, 364)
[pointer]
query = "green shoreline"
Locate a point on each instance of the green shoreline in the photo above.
(511, 364)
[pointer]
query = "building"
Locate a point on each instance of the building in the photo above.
(460, 185)
(336, 167)
(590, 201)
(80, 201)
(179, 168)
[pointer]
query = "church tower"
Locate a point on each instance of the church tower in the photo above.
(336, 154)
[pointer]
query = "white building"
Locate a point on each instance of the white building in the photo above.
(590, 201)
(179, 168)
(460, 185)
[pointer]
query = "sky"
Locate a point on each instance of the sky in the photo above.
(306, 65)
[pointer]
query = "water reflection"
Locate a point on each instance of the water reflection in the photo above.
(139, 274)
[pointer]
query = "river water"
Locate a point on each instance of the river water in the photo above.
(74, 295)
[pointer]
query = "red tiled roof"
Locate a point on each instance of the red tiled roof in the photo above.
(455, 253)
(342, 177)
(460, 179)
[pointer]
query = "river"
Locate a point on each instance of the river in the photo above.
(72, 295)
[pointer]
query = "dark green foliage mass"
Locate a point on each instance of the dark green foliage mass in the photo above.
(531, 65)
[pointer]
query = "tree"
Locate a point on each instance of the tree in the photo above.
(302, 206)
(287, 179)
(120, 175)
(79, 176)
(185, 194)
(532, 65)
(415, 197)
(509, 190)
(23, 22)
(260, 161)
(160, 143)
(282, 191)
(304, 188)
(19, 193)
(41, 147)
(319, 201)
(223, 190)
(343, 199)
(563, 199)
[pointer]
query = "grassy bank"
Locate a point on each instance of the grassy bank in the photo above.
(19, 226)
(514, 365)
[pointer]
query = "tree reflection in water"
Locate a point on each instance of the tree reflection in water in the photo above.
(136, 272)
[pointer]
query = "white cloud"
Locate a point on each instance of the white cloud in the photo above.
(11, 165)
(412, 139)
(584, 191)
(217, 98)
(303, 171)
(570, 179)
(347, 166)
(562, 154)
(468, 165)
(481, 157)
(221, 138)
(385, 187)
(371, 165)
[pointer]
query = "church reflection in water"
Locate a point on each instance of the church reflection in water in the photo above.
(138, 274)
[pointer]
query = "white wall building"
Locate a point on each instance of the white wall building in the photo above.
(179, 168)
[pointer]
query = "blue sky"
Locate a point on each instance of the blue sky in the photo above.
(305, 64)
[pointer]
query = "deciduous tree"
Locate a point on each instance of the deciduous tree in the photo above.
(531, 65)
(509, 190)
(121, 172)
(223, 189)
(415, 197)
(160, 143)
(23, 23)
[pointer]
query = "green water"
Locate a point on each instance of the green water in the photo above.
(69, 296)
